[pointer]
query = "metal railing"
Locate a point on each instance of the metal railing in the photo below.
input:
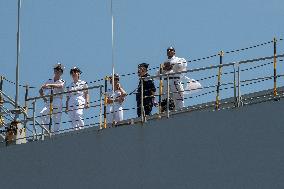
(236, 83)
(51, 108)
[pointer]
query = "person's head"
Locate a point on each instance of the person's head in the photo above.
(75, 73)
(142, 69)
(171, 52)
(58, 69)
(116, 78)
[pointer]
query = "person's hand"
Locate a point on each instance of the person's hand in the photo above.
(121, 99)
(66, 110)
(87, 105)
(108, 101)
(45, 99)
(118, 86)
(167, 66)
(156, 104)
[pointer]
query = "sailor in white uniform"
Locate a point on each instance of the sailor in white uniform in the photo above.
(77, 100)
(115, 101)
(173, 65)
(57, 85)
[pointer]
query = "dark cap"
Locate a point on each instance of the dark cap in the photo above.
(145, 65)
(171, 48)
(75, 69)
(59, 66)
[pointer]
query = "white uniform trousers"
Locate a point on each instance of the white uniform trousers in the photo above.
(75, 113)
(115, 114)
(176, 92)
(56, 116)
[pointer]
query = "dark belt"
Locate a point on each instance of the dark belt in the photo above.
(172, 78)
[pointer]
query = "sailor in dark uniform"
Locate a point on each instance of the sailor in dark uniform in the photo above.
(149, 90)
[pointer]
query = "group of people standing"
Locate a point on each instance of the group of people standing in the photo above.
(77, 99)
(78, 95)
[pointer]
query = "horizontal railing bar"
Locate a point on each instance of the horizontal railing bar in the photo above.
(61, 93)
(212, 67)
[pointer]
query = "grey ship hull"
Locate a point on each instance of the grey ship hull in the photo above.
(231, 148)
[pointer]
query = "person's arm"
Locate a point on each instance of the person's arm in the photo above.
(87, 97)
(123, 94)
(53, 85)
(41, 93)
(67, 104)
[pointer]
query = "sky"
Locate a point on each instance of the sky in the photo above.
(78, 33)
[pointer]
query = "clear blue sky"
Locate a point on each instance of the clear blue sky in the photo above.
(78, 33)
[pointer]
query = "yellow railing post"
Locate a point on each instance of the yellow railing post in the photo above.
(105, 102)
(217, 104)
(1, 101)
(274, 66)
(101, 106)
(1, 87)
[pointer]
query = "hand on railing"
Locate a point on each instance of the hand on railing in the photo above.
(45, 99)
(66, 110)
(87, 105)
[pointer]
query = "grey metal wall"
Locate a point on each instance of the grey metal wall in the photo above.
(231, 149)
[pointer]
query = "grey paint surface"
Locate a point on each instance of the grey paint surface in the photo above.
(230, 149)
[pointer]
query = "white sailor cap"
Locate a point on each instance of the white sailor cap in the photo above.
(59, 66)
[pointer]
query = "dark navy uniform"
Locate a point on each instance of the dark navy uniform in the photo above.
(148, 90)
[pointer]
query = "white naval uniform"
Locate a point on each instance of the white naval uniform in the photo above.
(175, 84)
(115, 109)
(57, 106)
(76, 104)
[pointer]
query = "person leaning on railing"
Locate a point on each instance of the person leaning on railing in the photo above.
(149, 90)
(57, 85)
(77, 100)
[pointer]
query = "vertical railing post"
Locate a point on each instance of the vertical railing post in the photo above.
(34, 127)
(105, 103)
(239, 86)
(142, 100)
(1, 88)
(1, 100)
(26, 104)
(160, 90)
(168, 96)
(50, 109)
(101, 107)
(235, 86)
(217, 104)
(274, 66)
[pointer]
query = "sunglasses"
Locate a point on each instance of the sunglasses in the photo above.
(169, 50)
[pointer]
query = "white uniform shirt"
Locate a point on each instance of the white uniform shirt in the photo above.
(47, 91)
(76, 86)
(179, 64)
